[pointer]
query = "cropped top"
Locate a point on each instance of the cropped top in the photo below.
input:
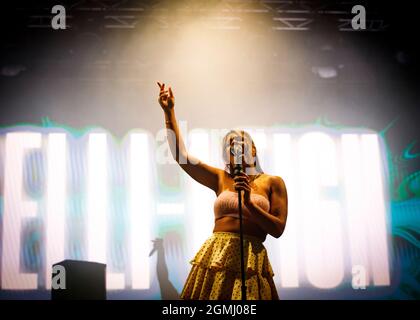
(226, 204)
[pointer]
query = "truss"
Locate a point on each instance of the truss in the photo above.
(272, 15)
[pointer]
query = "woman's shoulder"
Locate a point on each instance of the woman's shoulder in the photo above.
(271, 178)
(273, 181)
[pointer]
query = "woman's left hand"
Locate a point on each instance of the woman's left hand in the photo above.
(242, 183)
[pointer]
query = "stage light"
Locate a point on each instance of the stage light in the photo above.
(375, 213)
(16, 208)
(12, 70)
(325, 72)
(321, 222)
(201, 216)
(141, 209)
(97, 189)
(287, 249)
(364, 206)
(98, 205)
(56, 202)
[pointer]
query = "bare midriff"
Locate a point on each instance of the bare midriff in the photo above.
(230, 224)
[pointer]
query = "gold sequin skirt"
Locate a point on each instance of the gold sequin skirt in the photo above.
(216, 270)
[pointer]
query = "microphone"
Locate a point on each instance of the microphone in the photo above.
(237, 152)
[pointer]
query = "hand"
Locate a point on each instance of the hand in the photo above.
(166, 98)
(157, 245)
(242, 183)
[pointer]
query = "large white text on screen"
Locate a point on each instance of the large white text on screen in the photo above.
(337, 204)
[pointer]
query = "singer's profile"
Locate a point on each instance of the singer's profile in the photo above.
(216, 272)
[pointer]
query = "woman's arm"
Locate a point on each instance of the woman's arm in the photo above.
(272, 222)
(199, 171)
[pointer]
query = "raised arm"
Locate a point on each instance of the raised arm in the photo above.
(206, 175)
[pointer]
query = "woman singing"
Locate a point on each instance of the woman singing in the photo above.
(216, 268)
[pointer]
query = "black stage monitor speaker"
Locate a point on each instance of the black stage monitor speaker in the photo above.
(78, 280)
